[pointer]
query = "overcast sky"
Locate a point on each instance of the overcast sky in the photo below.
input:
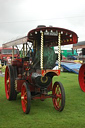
(17, 17)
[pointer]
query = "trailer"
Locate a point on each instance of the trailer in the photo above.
(32, 74)
(70, 66)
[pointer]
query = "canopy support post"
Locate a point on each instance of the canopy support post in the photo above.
(59, 50)
(41, 52)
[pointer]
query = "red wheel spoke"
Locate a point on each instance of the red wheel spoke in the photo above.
(25, 97)
(58, 105)
(59, 102)
(58, 96)
(25, 102)
(25, 94)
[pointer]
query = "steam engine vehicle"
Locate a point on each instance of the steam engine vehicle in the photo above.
(32, 74)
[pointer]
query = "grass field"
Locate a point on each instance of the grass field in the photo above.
(43, 114)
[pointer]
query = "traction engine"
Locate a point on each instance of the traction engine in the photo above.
(32, 74)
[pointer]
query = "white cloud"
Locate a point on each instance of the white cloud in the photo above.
(17, 17)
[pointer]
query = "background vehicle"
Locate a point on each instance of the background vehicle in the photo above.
(6, 55)
(80, 46)
(33, 73)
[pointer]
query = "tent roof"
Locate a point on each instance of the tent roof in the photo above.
(50, 36)
(80, 44)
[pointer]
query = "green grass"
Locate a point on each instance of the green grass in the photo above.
(43, 114)
(2, 68)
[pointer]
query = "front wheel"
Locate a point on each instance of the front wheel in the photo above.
(25, 98)
(58, 96)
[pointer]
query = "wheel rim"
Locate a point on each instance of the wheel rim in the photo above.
(57, 97)
(82, 77)
(24, 98)
(7, 83)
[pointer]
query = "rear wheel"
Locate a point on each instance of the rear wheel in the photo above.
(25, 98)
(58, 96)
(82, 77)
(10, 83)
